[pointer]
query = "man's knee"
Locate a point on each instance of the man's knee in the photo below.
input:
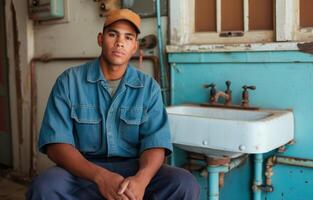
(38, 189)
(183, 181)
(48, 184)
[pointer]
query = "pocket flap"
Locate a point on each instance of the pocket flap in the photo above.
(86, 114)
(133, 116)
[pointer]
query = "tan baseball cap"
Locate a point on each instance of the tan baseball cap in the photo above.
(123, 14)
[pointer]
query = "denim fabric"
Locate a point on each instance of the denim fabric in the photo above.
(81, 112)
(169, 183)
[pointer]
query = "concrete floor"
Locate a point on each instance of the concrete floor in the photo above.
(10, 190)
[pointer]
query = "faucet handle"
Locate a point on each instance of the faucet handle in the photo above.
(245, 95)
(212, 91)
(228, 92)
(251, 87)
(212, 86)
(228, 83)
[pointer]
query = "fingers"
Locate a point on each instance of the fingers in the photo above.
(124, 197)
(130, 194)
(119, 197)
(123, 191)
(123, 186)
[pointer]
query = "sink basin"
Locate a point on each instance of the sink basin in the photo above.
(220, 132)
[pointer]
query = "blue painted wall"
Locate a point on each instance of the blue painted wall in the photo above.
(284, 79)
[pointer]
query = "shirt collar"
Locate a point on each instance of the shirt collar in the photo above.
(131, 77)
(94, 73)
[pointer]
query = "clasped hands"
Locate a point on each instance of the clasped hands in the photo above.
(115, 187)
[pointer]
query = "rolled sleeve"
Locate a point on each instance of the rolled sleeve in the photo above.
(57, 126)
(155, 132)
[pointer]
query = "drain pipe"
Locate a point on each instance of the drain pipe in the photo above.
(215, 171)
(257, 183)
(160, 48)
(213, 180)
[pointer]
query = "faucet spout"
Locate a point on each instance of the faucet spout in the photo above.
(219, 94)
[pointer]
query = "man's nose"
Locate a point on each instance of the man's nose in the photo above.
(120, 42)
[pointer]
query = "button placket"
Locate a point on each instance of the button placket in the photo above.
(111, 139)
(104, 102)
(109, 134)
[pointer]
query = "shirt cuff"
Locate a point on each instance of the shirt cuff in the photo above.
(42, 144)
(153, 141)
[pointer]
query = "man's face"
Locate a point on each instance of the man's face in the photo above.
(118, 42)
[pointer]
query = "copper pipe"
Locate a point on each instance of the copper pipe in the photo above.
(221, 179)
(47, 58)
(269, 170)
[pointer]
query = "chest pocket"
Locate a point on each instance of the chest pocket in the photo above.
(87, 128)
(130, 121)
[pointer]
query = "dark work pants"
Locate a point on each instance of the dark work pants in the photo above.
(170, 183)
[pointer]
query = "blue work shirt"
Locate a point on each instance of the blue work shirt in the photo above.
(81, 112)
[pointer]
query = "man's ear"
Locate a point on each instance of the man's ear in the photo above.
(100, 39)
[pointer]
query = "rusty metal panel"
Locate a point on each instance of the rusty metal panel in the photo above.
(205, 15)
(261, 15)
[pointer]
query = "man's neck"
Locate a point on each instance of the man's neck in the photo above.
(112, 72)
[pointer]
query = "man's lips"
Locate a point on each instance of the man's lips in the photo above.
(118, 53)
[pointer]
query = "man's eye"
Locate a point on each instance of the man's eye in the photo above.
(129, 38)
(111, 34)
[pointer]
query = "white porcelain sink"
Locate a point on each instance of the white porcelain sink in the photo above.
(229, 132)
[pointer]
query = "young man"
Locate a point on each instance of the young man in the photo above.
(106, 128)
